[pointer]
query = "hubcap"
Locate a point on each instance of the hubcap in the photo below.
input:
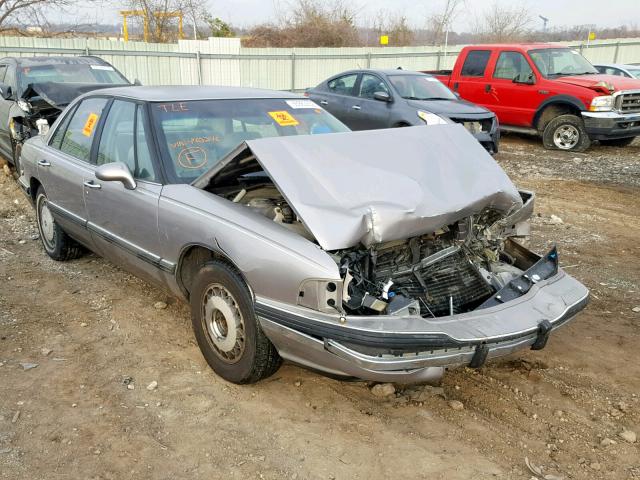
(46, 224)
(566, 137)
(224, 322)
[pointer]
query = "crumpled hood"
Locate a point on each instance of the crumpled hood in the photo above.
(589, 81)
(376, 186)
(59, 95)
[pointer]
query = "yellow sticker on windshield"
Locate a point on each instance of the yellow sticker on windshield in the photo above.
(90, 124)
(284, 118)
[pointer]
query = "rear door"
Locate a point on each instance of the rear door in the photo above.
(124, 223)
(332, 97)
(65, 164)
(515, 103)
(470, 79)
(363, 111)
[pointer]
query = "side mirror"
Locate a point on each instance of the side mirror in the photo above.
(529, 79)
(137, 82)
(116, 172)
(382, 96)
(5, 91)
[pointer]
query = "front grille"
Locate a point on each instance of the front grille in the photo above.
(628, 102)
(453, 276)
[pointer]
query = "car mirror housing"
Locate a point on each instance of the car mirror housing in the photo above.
(5, 91)
(382, 96)
(116, 172)
(525, 80)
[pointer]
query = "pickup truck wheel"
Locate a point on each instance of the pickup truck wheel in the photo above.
(226, 326)
(618, 142)
(55, 241)
(566, 132)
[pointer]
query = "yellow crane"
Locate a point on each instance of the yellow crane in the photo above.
(145, 21)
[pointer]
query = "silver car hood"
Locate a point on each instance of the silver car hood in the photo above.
(376, 186)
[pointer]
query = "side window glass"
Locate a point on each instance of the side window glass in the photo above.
(3, 71)
(79, 135)
(476, 63)
(116, 143)
(58, 134)
(343, 85)
(371, 84)
(511, 65)
(144, 164)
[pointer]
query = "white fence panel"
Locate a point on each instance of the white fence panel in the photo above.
(223, 61)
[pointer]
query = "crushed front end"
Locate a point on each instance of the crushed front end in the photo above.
(405, 310)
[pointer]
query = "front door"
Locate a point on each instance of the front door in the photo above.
(515, 103)
(124, 223)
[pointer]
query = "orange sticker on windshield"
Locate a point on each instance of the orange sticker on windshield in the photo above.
(90, 124)
(284, 118)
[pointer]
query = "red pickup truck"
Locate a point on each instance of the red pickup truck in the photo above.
(549, 90)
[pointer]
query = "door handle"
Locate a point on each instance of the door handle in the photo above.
(356, 107)
(91, 184)
(44, 163)
(487, 87)
(324, 102)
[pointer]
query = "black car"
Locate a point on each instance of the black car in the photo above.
(35, 90)
(372, 99)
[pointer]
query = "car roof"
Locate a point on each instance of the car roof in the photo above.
(383, 71)
(184, 93)
(522, 46)
(72, 60)
(616, 65)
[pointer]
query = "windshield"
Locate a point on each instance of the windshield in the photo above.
(561, 61)
(70, 73)
(195, 135)
(420, 87)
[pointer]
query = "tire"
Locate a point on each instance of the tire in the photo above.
(618, 142)
(56, 242)
(220, 297)
(566, 132)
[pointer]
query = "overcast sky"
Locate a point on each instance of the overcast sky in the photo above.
(244, 13)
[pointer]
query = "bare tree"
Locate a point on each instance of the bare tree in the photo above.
(500, 23)
(439, 23)
(162, 23)
(396, 27)
(309, 24)
(20, 13)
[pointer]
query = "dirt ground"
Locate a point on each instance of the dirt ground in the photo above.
(92, 328)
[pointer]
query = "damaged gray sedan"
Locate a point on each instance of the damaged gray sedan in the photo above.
(385, 255)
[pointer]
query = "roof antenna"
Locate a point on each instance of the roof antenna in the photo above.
(399, 68)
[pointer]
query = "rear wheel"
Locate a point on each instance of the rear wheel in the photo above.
(55, 241)
(618, 142)
(566, 132)
(226, 326)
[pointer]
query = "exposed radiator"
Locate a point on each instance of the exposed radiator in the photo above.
(434, 284)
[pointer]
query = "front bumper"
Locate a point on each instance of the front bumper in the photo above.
(416, 349)
(611, 125)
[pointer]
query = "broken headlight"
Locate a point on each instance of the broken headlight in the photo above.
(431, 118)
(24, 105)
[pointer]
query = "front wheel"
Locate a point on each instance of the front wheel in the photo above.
(55, 241)
(618, 142)
(566, 132)
(226, 326)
